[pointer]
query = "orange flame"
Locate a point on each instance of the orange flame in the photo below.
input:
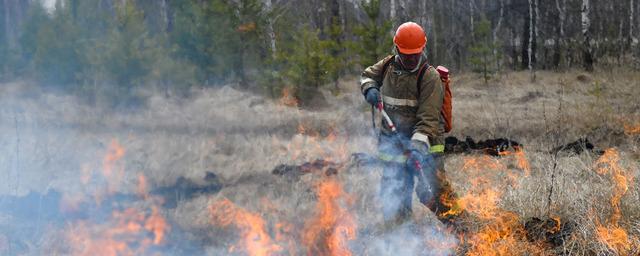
(613, 235)
(255, 239)
(308, 142)
(501, 232)
(288, 99)
(521, 159)
(130, 232)
(142, 187)
(632, 129)
(334, 226)
(112, 168)
(247, 27)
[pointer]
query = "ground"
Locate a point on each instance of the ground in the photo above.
(80, 178)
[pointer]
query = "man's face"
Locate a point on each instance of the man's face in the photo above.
(410, 61)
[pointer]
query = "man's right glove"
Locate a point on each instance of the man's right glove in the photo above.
(372, 95)
(419, 157)
(415, 160)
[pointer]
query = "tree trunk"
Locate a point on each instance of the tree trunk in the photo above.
(587, 52)
(74, 9)
(164, 13)
(561, 6)
(335, 20)
(392, 12)
(621, 41)
(536, 32)
(495, 35)
(271, 34)
(631, 25)
(471, 21)
(530, 46)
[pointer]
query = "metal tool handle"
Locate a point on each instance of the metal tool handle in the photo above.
(386, 116)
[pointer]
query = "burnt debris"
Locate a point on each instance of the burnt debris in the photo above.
(494, 147)
(552, 231)
(185, 189)
(577, 147)
(295, 171)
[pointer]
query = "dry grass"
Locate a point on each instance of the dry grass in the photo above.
(47, 140)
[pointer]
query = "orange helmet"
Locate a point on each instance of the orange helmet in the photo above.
(410, 38)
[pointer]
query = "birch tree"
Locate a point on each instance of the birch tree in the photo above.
(271, 34)
(587, 51)
(392, 12)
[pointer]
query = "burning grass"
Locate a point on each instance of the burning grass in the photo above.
(126, 196)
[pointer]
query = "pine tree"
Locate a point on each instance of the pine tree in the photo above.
(308, 63)
(482, 57)
(222, 38)
(374, 37)
(58, 62)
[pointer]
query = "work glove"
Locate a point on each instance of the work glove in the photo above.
(419, 157)
(372, 95)
(415, 161)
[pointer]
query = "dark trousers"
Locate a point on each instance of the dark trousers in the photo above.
(398, 183)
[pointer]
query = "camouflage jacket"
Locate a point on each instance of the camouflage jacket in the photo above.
(414, 110)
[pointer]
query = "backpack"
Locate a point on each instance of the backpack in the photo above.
(447, 109)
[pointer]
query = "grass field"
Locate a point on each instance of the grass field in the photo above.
(94, 157)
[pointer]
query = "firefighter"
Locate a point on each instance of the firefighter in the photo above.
(415, 110)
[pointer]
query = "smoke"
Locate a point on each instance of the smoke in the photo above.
(146, 179)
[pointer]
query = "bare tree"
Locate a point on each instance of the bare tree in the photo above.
(631, 14)
(271, 34)
(530, 46)
(587, 51)
(495, 34)
(393, 12)
(536, 29)
(471, 13)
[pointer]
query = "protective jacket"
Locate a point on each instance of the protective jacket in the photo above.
(414, 109)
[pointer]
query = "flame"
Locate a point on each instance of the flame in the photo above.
(500, 231)
(157, 225)
(285, 234)
(330, 231)
(288, 99)
(308, 142)
(142, 190)
(112, 167)
(131, 231)
(612, 235)
(558, 226)
(632, 129)
(127, 232)
(255, 239)
(247, 27)
(521, 159)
